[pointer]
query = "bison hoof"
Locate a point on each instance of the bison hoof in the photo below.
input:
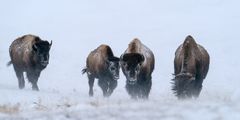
(107, 94)
(21, 86)
(35, 88)
(90, 93)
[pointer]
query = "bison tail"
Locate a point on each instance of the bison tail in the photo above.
(84, 70)
(9, 63)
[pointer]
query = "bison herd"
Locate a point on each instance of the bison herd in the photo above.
(30, 54)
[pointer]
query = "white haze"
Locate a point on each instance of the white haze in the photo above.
(76, 27)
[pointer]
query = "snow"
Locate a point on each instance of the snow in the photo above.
(78, 27)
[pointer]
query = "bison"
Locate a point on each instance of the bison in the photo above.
(104, 66)
(29, 54)
(191, 65)
(137, 64)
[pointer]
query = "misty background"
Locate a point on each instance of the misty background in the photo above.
(77, 27)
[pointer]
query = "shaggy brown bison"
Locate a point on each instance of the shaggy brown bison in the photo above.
(137, 64)
(29, 54)
(103, 65)
(191, 65)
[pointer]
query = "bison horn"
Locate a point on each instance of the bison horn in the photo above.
(34, 47)
(50, 43)
(121, 56)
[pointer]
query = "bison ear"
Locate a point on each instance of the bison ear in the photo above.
(34, 47)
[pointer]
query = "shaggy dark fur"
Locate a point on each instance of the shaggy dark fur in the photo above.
(191, 65)
(29, 54)
(137, 64)
(103, 65)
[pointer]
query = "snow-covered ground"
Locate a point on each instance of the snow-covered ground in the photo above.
(77, 27)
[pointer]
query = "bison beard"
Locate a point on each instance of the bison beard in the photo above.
(29, 54)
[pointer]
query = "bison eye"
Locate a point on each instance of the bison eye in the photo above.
(124, 64)
(112, 68)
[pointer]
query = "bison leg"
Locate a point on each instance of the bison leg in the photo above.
(33, 78)
(112, 86)
(104, 86)
(132, 91)
(21, 82)
(197, 89)
(144, 87)
(90, 83)
(146, 90)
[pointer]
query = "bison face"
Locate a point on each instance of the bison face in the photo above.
(41, 50)
(113, 67)
(131, 65)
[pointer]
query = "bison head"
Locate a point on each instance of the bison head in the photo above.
(41, 50)
(113, 67)
(184, 85)
(131, 65)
